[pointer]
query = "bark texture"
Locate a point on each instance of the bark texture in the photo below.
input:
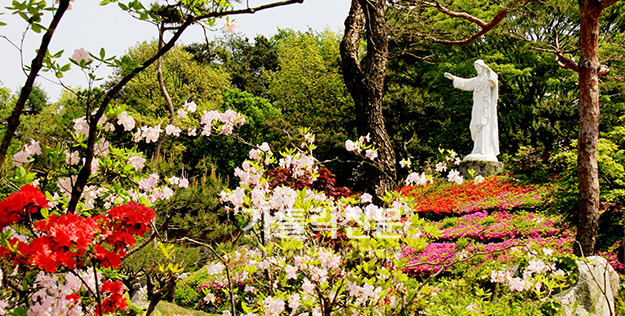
(587, 168)
(161, 84)
(365, 83)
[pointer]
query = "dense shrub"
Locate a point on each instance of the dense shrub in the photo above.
(531, 165)
(324, 182)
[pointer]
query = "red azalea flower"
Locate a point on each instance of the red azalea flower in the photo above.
(120, 240)
(39, 253)
(73, 296)
(113, 303)
(113, 287)
(132, 218)
(14, 207)
(107, 258)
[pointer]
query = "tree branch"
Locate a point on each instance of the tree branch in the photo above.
(85, 171)
(161, 84)
(485, 27)
(454, 14)
(606, 3)
(248, 10)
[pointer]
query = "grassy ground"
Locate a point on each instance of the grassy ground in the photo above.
(169, 309)
(166, 308)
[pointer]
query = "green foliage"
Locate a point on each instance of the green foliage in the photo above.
(530, 165)
(187, 291)
(308, 88)
(611, 161)
(185, 80)
(225, 153)
(194, 212)
(149, 257)
(249, 65)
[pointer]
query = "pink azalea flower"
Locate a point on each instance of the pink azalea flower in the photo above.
(371, 154)
(172, 130)
(231, 27)
(137, 162)
(349, 145)
(308, 287)
(127, 121)
(80, 55)
(184, 183)
(366, 198)
(190, 106)
(291, 272)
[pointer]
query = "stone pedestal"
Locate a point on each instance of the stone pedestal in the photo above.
(481, 167)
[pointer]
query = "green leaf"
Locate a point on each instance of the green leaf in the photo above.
(36, 28)
(2, 23)
(58, 54)
(123, 6)
(102, 53)
(66, 67)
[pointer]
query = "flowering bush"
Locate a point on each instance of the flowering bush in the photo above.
(68, 243)
(344, 255)
(75, 227)
(493, 193)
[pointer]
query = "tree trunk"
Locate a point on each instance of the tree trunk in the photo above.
(161, 84)
(366, 86)
(587, 168)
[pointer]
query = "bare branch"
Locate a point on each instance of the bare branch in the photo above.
(485, 28)
(161, 84)
(454, 14)
(247, 10)
(562, 61)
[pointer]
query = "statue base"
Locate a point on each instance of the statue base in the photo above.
(482, 167)
(480, 157)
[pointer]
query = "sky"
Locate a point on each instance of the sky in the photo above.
(90, 26)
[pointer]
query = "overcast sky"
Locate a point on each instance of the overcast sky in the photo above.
(91, 27)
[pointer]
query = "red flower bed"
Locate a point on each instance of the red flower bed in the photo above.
(445, 197)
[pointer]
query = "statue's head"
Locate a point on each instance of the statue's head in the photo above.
(480, 66)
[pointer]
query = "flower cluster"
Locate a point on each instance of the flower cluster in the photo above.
(69, 242)
(228, 119)
(23, 156)
(422, 179)
(60, 294)
(498, 226)
(534, 274)
(362, 145)
(14, 208)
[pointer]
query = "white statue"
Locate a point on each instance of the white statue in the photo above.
(483, 127)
